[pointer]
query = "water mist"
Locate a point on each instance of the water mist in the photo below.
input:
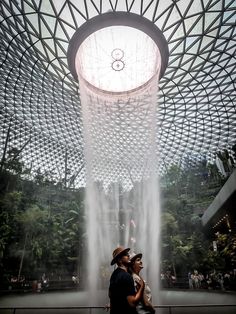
(118, 59)
(122, 193)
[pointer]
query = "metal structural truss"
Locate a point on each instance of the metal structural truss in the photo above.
(40, 109)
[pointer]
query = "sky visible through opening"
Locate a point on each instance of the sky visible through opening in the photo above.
(118, 59)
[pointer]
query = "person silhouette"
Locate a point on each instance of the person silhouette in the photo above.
(122, 294)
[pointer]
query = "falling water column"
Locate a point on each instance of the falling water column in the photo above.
(118, 59)
(120, 151)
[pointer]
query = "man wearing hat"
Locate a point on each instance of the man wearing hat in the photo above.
(123, 298)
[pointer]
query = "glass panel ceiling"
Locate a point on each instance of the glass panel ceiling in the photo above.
(40, 100)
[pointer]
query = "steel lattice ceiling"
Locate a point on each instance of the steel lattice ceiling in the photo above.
(39, 99)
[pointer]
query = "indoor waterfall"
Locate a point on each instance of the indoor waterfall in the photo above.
(122, 198)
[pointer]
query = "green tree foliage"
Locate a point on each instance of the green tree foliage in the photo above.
(42, 223)
(226, 247)
(186, 193)
(9, 204)
(41, 227)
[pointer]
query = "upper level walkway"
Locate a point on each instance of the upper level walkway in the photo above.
(224, 203)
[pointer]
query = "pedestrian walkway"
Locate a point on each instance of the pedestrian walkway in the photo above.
(81, 298)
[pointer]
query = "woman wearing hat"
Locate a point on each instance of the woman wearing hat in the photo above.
(145, 305)
(122, 294)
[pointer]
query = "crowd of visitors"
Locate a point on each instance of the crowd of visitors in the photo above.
(168, 280)
(213, 280)
(216, 280)
(44, 283)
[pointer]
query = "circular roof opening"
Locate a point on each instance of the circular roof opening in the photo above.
(117, 59)
(117, 52)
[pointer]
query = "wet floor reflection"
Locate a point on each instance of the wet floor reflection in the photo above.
(74, 299)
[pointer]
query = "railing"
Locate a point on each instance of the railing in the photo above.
(170, 309)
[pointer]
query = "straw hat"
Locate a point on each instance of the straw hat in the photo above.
(117, 253)
(134, 256)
